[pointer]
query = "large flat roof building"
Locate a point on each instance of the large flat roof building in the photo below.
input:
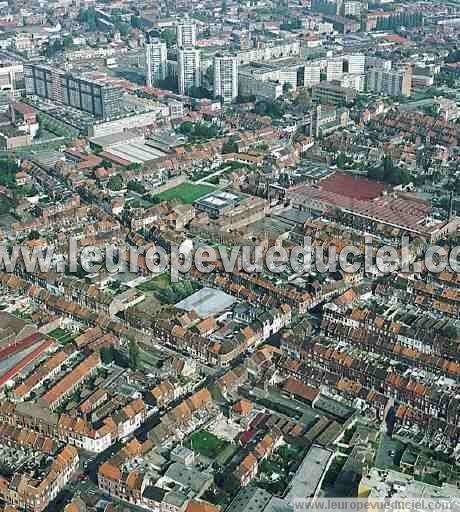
(307, 481)
(101, 99)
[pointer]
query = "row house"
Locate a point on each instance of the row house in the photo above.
(87, 295)
(130, 418)
(163, 394)
(28, 415)
(78, 432)
(47, 370)
(33, 494)
(116, 481)
(273, 321)
(395, 345)
(232, 380)
(427, 401)
(249, 466)
(63, 388)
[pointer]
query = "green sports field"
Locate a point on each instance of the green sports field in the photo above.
(185, 192)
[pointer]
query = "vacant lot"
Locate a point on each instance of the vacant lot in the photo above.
(157, 283)
(185, 192)
(389, 452)
(166, 292)
(206, 444)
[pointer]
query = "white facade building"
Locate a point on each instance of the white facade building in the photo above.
(312, 74)
(188, 70)
(186, 34)
(156, 56)
(226, 78)
(356, 63)
(334, 69)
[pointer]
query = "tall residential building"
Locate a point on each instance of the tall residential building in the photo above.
(226, 78)
(188, 70)
(11, 77)
(334, 69)
(355, 63)
(396, 82)
(186, 34)
(101, 99)
(312, 74)
(156, 56)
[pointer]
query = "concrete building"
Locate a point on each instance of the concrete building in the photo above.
(102, 100)
(266, 80)
(354, 63)
(251, 86)
(332, 94)
(338, 67)
(156, 56)
(334, 70)
(268, 52)
(312, 74)
(352, 8)
(310, 475)
(226, 78)
(186, 34)
(188, 70)
(11, 76)
(356, 82)
(327, 119)
(390, 83)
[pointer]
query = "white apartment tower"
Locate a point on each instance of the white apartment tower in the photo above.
(156, 56)
(186, 34)
(356, 63)
(334, 70)
(226, 78)
(188, 70)
(396, 82)
(312, 74)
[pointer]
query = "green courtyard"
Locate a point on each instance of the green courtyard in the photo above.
(168, 292)
(61, 336)
(206, 444)
(185, 193)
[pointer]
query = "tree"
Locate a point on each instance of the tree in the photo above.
(67, 41)
(341, 161)
(135, 166)
(274, 109)
(8, 170)
(303, 101)
(124, 29)
(34, 235)
(134, 355)
(287, 86)
(89, 17)
(115, 183)
(388, 165)
(135, 186)
(450, 331)
(107, 355)
(168, 36)
(53, 48)
(136, 22)
(375, 173)
(186, 128)
(230, 146)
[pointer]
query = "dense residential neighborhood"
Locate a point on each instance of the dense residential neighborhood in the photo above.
(229, 255)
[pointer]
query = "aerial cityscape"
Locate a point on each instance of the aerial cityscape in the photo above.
(229, 255)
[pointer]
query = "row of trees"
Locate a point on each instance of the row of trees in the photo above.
(198, 130)
(389, 173)
(403, 19)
